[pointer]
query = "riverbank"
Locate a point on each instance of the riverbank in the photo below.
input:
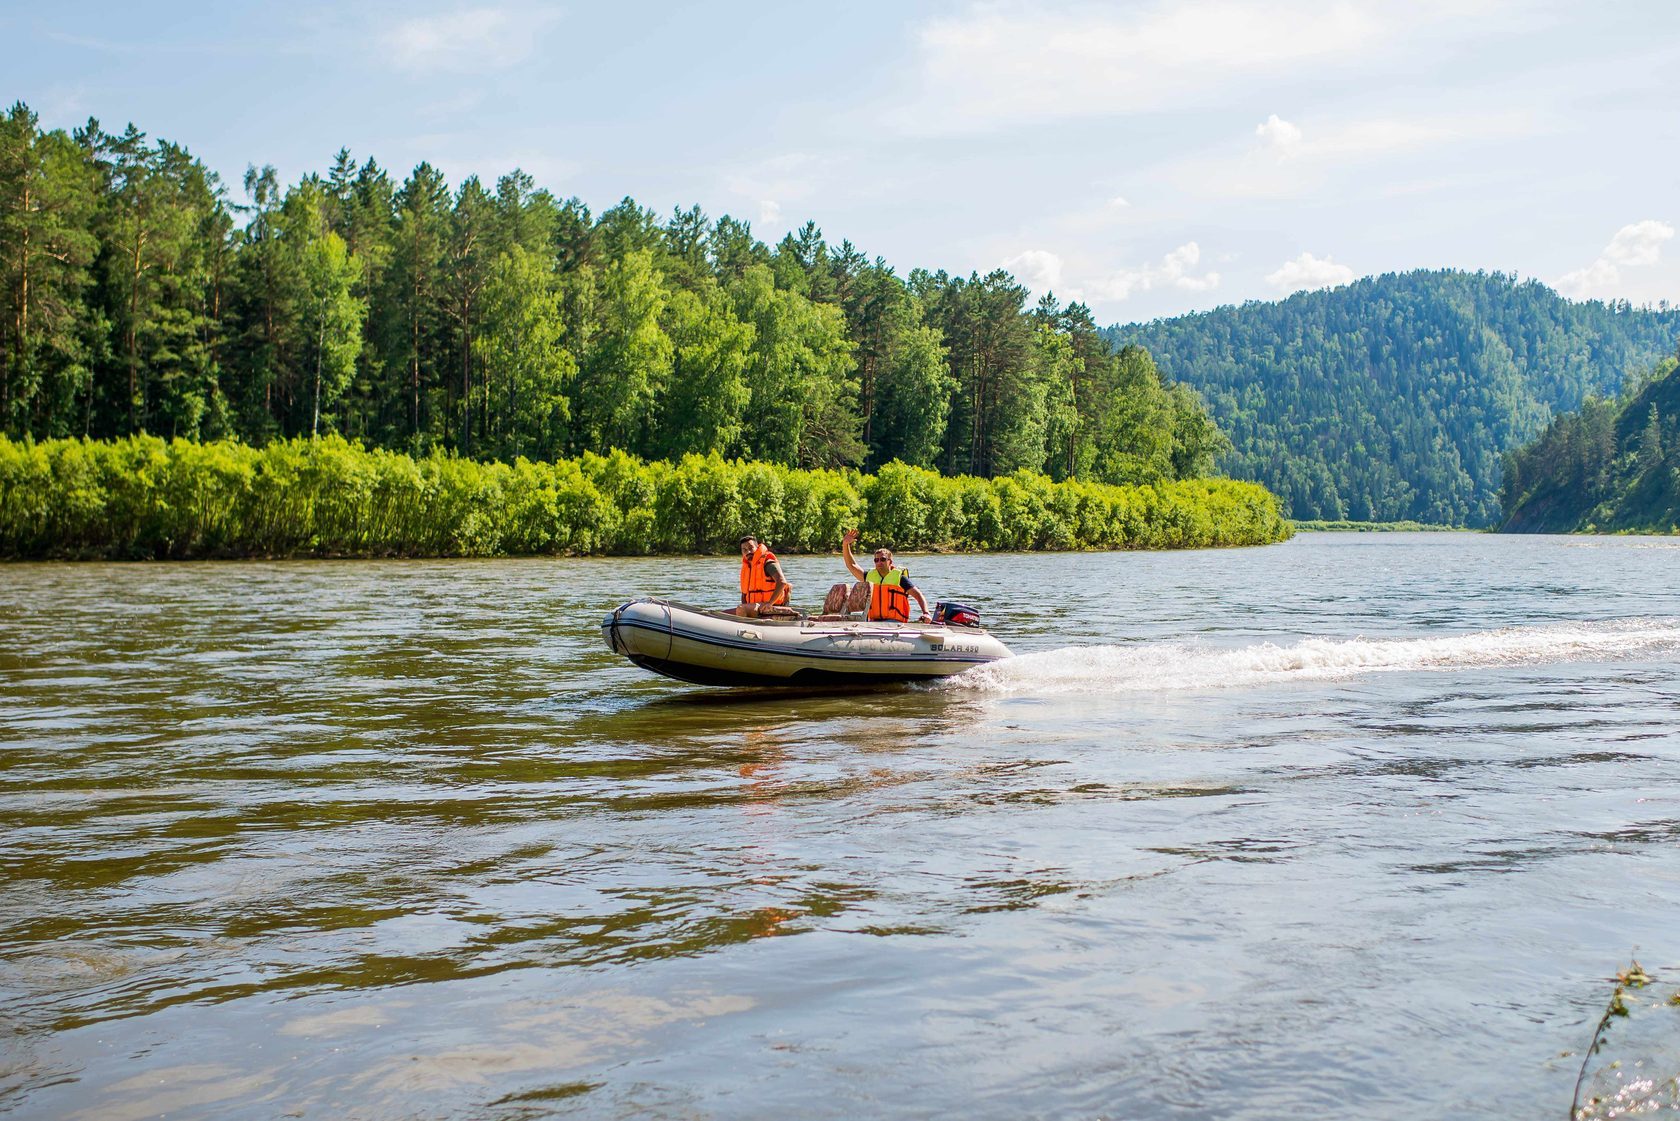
(147, 498)
(1314, 526)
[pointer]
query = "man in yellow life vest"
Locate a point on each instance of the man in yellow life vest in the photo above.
(763, 589)
(890, 589)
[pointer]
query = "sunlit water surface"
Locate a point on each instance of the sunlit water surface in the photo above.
(1350, 826)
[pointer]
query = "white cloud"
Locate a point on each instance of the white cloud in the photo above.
(1277, 133)
(1119, 202)
(1173, 271)
(1637, 245)
(1307, 271)
(467, 39)
(1038, 269)
(769, 212)
(994, 63)
(1597, 279)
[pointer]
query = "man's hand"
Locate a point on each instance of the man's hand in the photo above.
(849, 536)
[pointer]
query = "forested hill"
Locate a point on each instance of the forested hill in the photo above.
(1393, 397)
(141, 295)
(1614, 465)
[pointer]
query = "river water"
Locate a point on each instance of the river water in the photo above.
(1356, 824)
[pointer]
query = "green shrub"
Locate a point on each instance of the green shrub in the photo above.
(144, 497)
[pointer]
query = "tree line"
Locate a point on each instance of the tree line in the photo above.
(499, 321)
(145, 497)
(1394, 397)
(1612, 466)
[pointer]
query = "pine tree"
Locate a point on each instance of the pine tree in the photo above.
(48, 199)
(415, 285)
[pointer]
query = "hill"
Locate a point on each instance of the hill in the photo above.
(1612, 466)
(1393, 398)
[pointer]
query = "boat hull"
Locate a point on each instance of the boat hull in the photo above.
(714, 648)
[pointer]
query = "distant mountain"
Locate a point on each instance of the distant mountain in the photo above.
(1392, 398)
(1613, 466)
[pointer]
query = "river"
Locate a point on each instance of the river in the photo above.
(1355, 825)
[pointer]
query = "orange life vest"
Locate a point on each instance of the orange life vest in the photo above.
(756, 586)
(888, 601)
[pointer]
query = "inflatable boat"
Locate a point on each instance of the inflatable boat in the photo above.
(717, 648)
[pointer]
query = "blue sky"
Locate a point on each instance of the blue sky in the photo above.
(1148, 158)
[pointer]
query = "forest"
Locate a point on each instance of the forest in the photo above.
(141, 296)
(1394, 397)
(1613, 466)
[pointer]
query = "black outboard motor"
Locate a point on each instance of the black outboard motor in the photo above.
(955, 614)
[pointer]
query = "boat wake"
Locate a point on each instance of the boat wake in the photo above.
(1155, 667)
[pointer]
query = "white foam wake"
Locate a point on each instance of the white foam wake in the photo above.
(1175, 665)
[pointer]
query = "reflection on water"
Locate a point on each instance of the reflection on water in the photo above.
(1240, 833)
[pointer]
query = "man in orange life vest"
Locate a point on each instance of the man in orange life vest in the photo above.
(762, 585)
(890, 589)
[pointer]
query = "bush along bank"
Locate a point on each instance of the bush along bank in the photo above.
(143, 497)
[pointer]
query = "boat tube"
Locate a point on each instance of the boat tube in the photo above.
(717, 648)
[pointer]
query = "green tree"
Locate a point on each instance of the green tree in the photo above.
(162, 208)
(362, 212)
(1134, 427)
(802, 409)
(267, 285)
(333, 315)
(990, 343)
(687, 241)
(734, 249)
(527, 369)
(707, 391)
(626, 359)
(913, 391)
(472, 251)
(1650, 441)
(524, 215)
(415, 284)
(1066, 446)
(48, 198)
(1197, 440)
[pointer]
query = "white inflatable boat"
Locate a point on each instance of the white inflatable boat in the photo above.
(717, 648)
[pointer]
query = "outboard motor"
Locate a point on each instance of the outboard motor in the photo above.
(955, 614)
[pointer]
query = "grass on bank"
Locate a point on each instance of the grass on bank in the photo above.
(1316, 526)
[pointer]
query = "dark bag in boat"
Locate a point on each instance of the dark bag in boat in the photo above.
(955, 614)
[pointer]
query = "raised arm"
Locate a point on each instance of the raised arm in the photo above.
(846, 540)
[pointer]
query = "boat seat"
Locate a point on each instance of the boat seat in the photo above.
(844, 600)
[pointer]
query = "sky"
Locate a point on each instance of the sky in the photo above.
(1149, 159)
